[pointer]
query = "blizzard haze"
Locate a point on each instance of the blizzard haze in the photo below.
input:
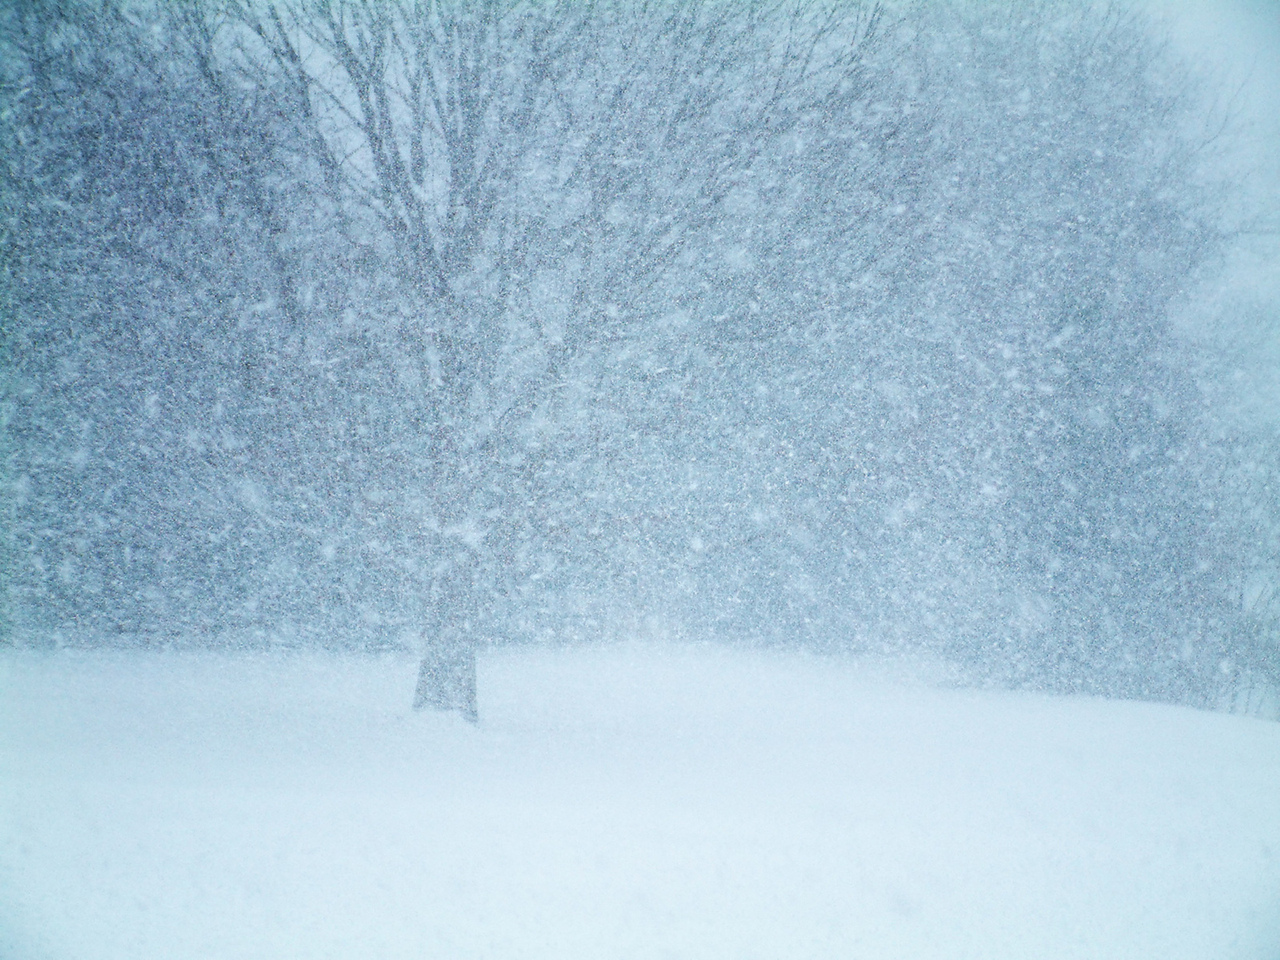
(545, 479)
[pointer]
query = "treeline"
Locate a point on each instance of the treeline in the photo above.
(776, 321)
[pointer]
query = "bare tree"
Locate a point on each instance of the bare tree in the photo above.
(532, 174)
(142, 230)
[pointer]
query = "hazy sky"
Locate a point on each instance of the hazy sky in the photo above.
(1238, 315)
(1239, 41)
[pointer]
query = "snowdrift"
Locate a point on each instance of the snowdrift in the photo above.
(621, 801)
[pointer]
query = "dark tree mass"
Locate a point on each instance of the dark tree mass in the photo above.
(452, 323)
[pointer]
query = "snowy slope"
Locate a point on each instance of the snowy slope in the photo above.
(623, 801)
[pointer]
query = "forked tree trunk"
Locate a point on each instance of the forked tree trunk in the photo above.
(447, 678)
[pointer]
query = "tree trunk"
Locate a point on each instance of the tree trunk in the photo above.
(447, 677)
(447, 674)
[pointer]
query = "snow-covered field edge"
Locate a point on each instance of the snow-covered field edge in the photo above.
(630, 800)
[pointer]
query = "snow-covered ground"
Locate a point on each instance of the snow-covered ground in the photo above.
(620, 801)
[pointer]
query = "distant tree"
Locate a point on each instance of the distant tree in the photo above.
(1076, 132)
(963, 419)
(1239, 477)
(999, 239)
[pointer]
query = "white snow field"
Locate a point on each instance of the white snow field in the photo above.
(614, 802)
